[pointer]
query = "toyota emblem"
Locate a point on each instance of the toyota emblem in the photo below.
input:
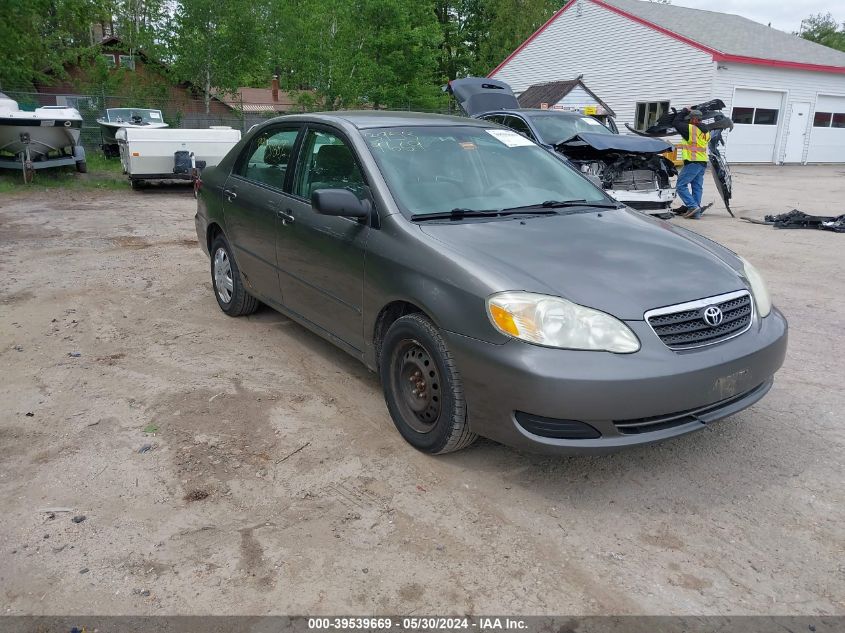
(713, 316)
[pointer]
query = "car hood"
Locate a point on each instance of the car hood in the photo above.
(614, 143)
(621, 262)
(478, 95)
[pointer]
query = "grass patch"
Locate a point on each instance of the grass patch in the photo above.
(103, 174)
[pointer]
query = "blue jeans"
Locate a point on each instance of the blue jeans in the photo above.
(691, 177)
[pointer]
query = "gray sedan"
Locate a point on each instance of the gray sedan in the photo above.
(495, 290)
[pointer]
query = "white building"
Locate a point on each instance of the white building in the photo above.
(785, 94)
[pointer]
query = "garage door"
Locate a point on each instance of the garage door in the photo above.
(757, 115)
(827, 139)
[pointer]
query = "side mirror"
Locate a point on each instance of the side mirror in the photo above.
(339, 202)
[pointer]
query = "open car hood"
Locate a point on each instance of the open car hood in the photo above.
(477, 95)
(614, 143)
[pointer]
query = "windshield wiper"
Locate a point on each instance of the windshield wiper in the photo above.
(545, 208)
(562, 204)
(457, 214)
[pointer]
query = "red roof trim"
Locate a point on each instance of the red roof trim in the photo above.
(778, 63)
(718, 56)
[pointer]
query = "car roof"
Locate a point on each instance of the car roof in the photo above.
(364, 119)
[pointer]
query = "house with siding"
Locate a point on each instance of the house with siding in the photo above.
(135, 80)
(785, 94)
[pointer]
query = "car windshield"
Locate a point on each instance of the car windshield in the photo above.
(440, 169)
(126, 115)
(556, 129)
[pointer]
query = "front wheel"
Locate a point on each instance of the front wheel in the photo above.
(229, 290)
(422, 387)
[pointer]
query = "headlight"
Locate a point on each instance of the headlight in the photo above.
(758, 288)
(556, 322)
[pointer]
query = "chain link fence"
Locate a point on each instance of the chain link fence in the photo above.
(177, 113)
(181, 113)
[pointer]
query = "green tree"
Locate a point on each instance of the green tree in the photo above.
(37, 36)
(824, 29)
(396, 61)
(214, 44)
(348, 53)
(509, 23)
(142, 25)
(479, 34)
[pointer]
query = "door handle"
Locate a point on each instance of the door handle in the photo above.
(285, 216)
(230, 194)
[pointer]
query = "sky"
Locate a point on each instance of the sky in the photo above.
(785, 16)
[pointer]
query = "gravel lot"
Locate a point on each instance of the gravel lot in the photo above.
(248, 467)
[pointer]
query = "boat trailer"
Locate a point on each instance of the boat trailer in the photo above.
(23, 160)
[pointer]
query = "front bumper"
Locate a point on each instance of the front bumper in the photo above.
(644, 200)
(631, 399)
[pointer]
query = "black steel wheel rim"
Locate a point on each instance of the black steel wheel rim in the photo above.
(417, 386)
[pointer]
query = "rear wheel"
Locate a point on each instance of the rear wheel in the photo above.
(229, 290)
(422, 387)
(82, 167)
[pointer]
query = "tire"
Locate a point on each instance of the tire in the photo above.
(422, 387)
(82, 167)
(231, 295)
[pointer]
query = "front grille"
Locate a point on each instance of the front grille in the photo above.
(672, 420)
(635, 180)
(684, 326)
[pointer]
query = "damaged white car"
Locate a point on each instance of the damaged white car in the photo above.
(631, 169)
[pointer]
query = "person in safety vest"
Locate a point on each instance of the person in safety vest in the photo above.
(693, 151)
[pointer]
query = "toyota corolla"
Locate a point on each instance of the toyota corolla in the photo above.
(495, 290)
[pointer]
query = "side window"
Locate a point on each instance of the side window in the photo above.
(267, 157)
(495, 118)
(327, 162)
(517, 124)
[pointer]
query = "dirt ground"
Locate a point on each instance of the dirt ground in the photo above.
(245, 466)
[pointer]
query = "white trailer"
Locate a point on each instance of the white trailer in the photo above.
(172, 153)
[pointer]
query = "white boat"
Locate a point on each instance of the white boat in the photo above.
(45, 137)
(119, 118)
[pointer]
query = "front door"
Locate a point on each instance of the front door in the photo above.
(249, 206)
(321, 258)
(796, 133)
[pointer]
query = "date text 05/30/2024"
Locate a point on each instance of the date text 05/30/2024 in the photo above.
(417, 624)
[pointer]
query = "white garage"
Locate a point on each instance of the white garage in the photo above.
(786, 94)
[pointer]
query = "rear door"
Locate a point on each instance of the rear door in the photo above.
(321, 258)
(250, 200)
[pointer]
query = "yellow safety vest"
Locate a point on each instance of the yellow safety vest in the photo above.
(695, 149)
